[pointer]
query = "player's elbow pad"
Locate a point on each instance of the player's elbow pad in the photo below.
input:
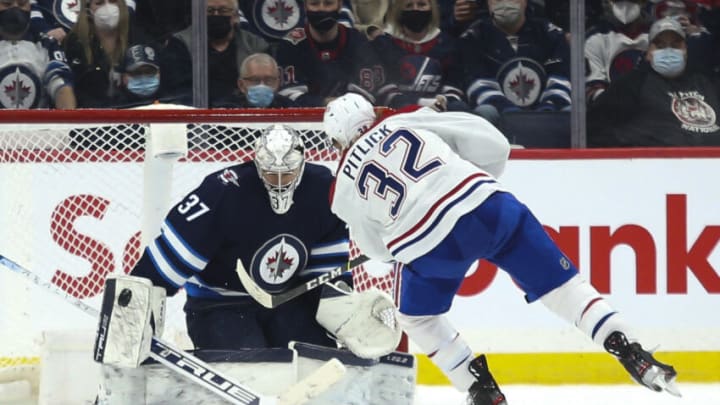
(133, 310)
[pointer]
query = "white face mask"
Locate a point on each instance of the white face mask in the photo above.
(107, 16)
(626, 11)
(506, 13)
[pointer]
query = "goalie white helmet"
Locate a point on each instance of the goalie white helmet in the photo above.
(348, 117)
(280, 161)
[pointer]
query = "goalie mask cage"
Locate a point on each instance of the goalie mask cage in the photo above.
(81, 191)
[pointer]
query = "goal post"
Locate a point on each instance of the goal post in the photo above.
(81, 191)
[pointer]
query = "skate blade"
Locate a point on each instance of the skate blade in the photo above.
(668, 385)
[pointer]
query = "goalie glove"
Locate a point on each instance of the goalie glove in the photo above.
(363, 321)
(133, 310)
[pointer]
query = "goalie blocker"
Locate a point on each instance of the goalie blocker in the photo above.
(133, 310)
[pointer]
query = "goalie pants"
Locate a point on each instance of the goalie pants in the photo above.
(502, 231)
(243, 323)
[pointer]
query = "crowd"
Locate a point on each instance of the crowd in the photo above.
(652, 66)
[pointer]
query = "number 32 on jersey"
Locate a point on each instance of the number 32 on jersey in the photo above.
(390, 185)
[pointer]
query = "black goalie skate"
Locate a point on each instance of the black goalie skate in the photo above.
(641, 365)
(485, 390)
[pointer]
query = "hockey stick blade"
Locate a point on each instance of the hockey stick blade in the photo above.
(269, 300)
(177, 360)
(315, 384)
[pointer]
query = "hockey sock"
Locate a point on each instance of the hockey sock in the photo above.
(579, 303)
(442, 343)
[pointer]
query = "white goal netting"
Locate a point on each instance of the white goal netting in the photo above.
(75, 197)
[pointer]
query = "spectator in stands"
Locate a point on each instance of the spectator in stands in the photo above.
(257, 85)
(513, 62)
(140, 78)
(464, 13)
(55, 18)
(228, 46)
(328, 59)
(259, 18)
(698, 38)
(370, 16)
(616, 45)
(660, 103)
(420, 61)
(33, 71)
(96, 47)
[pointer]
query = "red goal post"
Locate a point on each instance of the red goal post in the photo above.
(81, 190)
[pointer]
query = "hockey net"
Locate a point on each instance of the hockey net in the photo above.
(79, 189)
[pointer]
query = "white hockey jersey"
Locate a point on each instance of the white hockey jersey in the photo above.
(30, 74)
(402, 186)
(610, 55)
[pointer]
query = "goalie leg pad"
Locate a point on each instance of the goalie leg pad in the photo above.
(126, 322)
(389, 380)
(363, 321)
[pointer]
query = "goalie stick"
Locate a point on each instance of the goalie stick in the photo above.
(269, 300)
(197, 371)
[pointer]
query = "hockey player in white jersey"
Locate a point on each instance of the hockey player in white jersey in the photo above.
(421, 188)
(33, 70)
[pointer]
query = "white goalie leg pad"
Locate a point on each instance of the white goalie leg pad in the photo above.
(443, 344)
(363, 321)
(268, 371)
(580, 303)
(388, 380)
(126, 322)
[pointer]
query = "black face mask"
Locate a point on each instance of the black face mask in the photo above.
(14, 21)
(415, 20)
(322, 21)
(218, 26)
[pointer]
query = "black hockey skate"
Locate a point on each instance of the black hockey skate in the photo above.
(485, 390)
(641, 365)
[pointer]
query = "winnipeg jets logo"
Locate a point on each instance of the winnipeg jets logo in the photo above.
(521, 81)
(275, 18)
(229, 177)
(19, 88)
(66, 12)
(277, 261)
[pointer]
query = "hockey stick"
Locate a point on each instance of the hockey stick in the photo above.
(269, 300)
(196, 370)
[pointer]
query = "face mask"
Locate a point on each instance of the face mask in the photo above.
(506, 13)
(415, 20)
(143, 86)
(218, 26)
(107, 16)
(260, 95)
(626, 11)
(14, 21)
(322, 21)
(668, 62)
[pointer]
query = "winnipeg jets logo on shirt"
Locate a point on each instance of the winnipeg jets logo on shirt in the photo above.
(19, 88)
(275, 18)
(66, 12)
(277, 261)
(522, 80)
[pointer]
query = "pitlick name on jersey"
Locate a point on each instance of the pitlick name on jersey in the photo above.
(355, 154)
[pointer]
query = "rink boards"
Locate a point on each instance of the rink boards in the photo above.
(642, 226)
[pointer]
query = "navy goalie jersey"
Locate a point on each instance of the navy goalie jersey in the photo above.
(229, 217)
